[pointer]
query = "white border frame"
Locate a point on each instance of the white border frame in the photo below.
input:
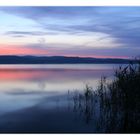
(69, 2)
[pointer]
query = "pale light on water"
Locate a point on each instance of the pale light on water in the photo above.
(60, 66)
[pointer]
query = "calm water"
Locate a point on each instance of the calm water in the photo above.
(34, 98)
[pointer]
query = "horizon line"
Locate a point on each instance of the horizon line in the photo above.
(109, 57)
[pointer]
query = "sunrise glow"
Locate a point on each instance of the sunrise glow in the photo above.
(103, 32)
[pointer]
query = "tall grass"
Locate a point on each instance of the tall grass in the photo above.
(118, 101)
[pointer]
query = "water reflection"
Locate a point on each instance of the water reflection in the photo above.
(34, 99)
(49, 79)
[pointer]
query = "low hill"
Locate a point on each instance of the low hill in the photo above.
(11, 59)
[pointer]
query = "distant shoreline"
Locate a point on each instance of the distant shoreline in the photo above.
(56, 63)
(11, 59)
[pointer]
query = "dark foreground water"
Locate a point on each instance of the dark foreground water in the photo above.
(37, 98)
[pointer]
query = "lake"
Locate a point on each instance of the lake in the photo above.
(34, 98)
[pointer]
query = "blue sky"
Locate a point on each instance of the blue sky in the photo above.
(70, 31)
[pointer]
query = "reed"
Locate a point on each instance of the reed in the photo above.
(119, 101)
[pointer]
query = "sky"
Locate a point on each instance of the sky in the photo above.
(101, 32)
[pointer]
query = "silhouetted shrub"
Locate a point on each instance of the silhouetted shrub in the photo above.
(119, 101)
